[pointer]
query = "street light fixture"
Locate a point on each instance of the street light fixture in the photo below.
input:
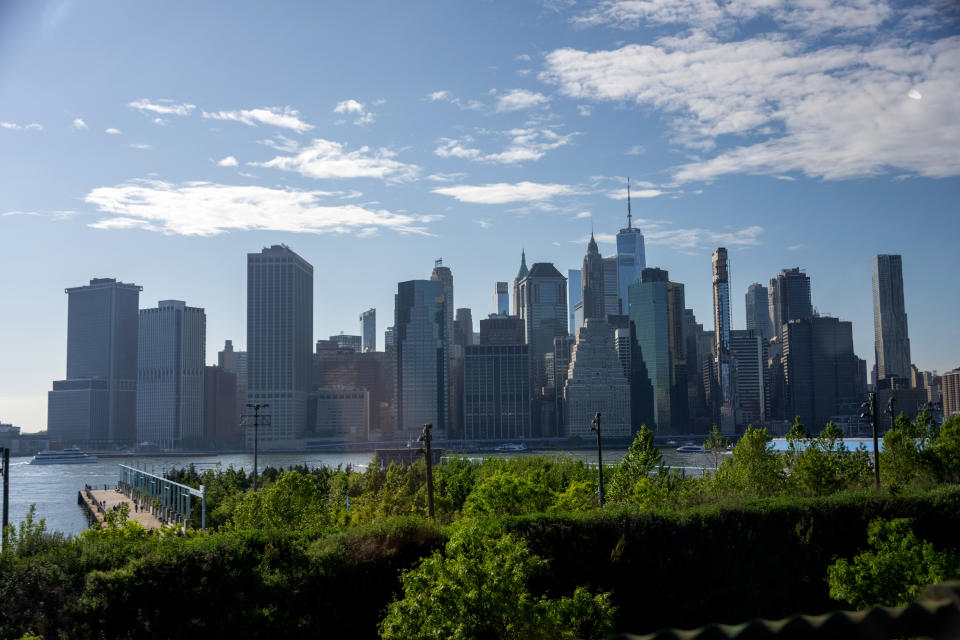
(869, 409)
(256, 435)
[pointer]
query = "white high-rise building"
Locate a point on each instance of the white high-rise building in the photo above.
(891, 340)
(170, 375)
(631, 258)
(279, 341)
(368, 326)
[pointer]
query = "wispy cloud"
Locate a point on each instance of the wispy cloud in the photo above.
(525, 144)
(446, 96)
(205, 208)
(621, 194)
(795, 247)
(583, 214)
(636, 150)
(517, 99)
(503, 192)
(685, 240)
(283, 117)
(483, 224)
(354, 107)
(329, 159)
(13, 126)
(163, 107)
(78, 123)
(140, 145)
(112, 131)
(831, 108)
(585, 110)
(445, 177)
(229, 161)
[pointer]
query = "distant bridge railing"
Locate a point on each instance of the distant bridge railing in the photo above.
(172, 497)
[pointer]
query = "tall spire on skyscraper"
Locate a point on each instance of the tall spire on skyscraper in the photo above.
(523, 265)
(629, 214)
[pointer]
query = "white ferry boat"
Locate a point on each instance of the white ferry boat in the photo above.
(690, 448)
(67, 456)
(512, 446)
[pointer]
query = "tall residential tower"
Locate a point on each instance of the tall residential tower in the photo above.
(891, 343)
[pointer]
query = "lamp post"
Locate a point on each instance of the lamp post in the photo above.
(596, 427)
(891, 410)
(256, 436)
(426, 438)
(870, 409)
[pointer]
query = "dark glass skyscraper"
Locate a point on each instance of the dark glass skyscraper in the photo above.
(421, 351)
(593, 282)
(368, 329)
(891, 341)
(723, 404)
(631, 257)
(279, 340)
(789, 298)
(97, 404)
(758, 313)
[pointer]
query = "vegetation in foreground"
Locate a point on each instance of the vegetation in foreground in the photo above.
(331, 549)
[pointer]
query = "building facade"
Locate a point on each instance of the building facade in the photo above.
(789, 298)
(950, 392)
(279, 341)
(724, 400)
(574, 300)
(368, 329)
(96, 406)
(170, 376)
(421, 356)
(758, 310)
(748, 353)
(342, 414)
(631, 258)
(221, 419)
(496, 391)
(891, 340)
(501, 299)
(596, 384)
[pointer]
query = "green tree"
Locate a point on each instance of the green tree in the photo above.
(506, 493)
(580, 495)
(292, 502)
(943, 452)
(753, 471)
(894, 572)
(716, 446)
(479, 589)
(641, 458)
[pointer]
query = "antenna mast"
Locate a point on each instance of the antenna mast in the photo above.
(629, 213)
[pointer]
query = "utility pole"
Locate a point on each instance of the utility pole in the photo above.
(6, 494)
(870, 409)
(426, 438)
(256, 435)
(891, 411)
(596, 427)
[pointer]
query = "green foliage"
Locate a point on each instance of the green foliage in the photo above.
(291, 503)
(753, 471)
(823, 465)
(479, 588)
(894, 572)
(631, 476)
(581, 495)
(506, 493)
(716, 446)
(943, 453)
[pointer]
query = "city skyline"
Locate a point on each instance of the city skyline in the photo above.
(422, 144)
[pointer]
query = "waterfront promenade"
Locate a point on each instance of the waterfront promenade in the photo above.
(98, 502)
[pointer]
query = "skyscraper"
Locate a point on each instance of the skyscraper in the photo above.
(631, 257)
(723, 405)
(611, 293)
(346, 341)
(543, 307)
(501, 299)
(820, 370)
(279, 340)
(521, 274)
(789, 298)
(170, 375)
(593, 282)
(596, 383)
(496, 389)
(657, 314)
(235, 362)
(891, 342)
(421, 351)
(97, 404)
(758, 312)
(748, 353)
(368, 329)
(463, 327)
(574, 298)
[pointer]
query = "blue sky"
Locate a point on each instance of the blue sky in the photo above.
(159, 142)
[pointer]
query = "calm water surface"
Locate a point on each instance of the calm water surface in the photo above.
(53, 488)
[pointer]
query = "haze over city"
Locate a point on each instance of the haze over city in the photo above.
(160, 144)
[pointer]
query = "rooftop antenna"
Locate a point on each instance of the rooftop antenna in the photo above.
(438, 262)
(629, 213)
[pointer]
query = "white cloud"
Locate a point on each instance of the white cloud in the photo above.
(585, 110)
(446, 96)
(525, 144)
(503, 193)
(523, 57)
(445, 177)
(140, 145)
(621, 194)
(788, 178)
(836, 112)
(329, 159)
(697, 238)
(229, 161)
(636, 150)
(205, 208)
(808, 16)
(284, 117)
(281, 142)
(13, 126)
(795, 247)
(438, 95)
(483, 224)
(161, 121)
(584, 214)
(78, 123)
(358, 108)
(112, 131)
(164, 107)
(518, 99)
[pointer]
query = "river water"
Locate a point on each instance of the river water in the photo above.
(53, 488)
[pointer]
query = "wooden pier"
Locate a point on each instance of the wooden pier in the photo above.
(98, 502)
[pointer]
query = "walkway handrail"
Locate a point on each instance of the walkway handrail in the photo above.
(174, 498)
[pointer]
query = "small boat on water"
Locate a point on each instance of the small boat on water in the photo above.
(512, 446)
(691, 448)
(67, 456)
